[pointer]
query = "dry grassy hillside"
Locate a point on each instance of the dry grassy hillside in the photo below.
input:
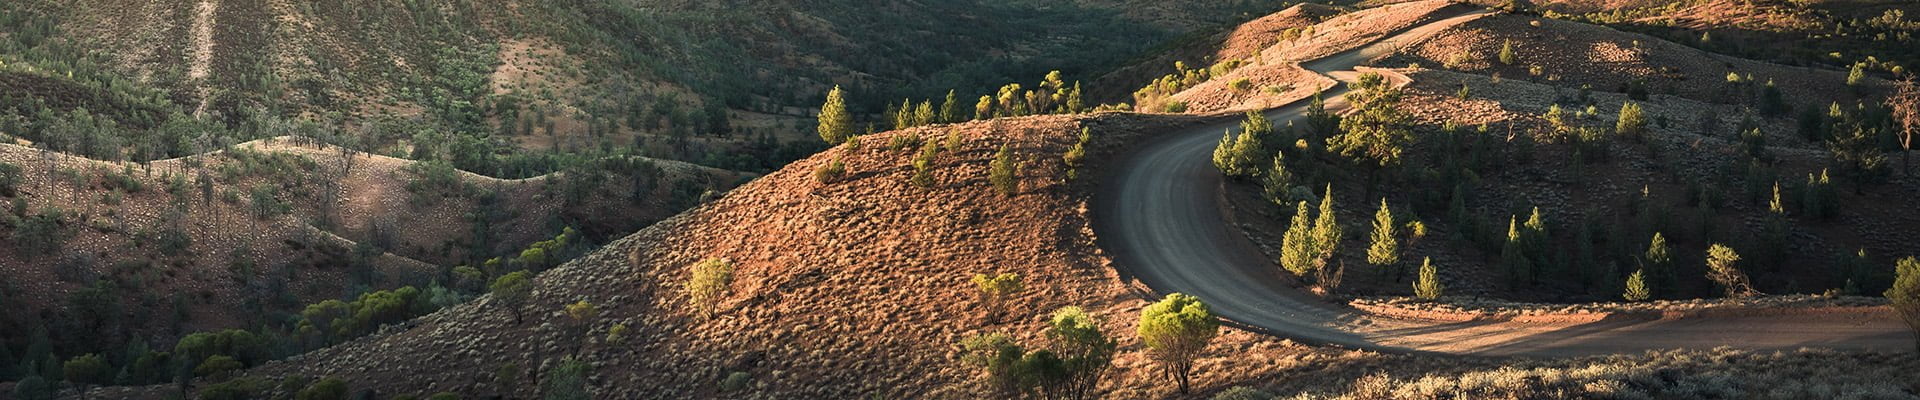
(1576, 55)
(220, 240)
(727, 85)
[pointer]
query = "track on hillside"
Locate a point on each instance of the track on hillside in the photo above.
(1160, 214)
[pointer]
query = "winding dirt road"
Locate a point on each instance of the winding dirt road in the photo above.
(1160, 215)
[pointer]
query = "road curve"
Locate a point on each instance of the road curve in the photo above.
(1159, 213)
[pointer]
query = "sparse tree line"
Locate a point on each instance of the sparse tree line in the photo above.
(216, 356)
(1051, 96)
(1598, 257)
(1076, 353)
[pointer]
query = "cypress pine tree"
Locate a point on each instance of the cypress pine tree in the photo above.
(1506, 53)
(1513, 257)
(1277, 182)
(1296, 246)
(1385, 249)
(923, 114)
(1536, 241)
(1428, 286)
(1637, 289)
(950, 109)
(1660, 261)
(903, 116)
(1074, 103)
(1632, 123)
(836, 125)
(1326, 231)
(1003, 173)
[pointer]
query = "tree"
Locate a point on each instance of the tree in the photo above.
(1637, 289)
(1003, 172)
(325, 389)
(1721, 271)
(1000, 356)
(1513, 256)
(1240, 155)
(707, 282)
(1083, 349)
(983, 109)
(950, 109)
(217, 366)
(1857, 76)
(1376, 132)
(1905, 294)
(33, 387)
(1506, 53)
(1659, 260)
(1296, 246)
(1326, 237)
(1176, 330)
(512, 291)
(582, 314)
(995, 289)
(836, 124)
(1237, 156)
(1904, 105)
(87, 370)
(1428, 286)
(1632, 123)
(568, 381)
(1320, 122)
(1384, 251)
(1277, 183)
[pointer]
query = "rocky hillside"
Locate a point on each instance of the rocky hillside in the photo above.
(153, 251)
(726, 84)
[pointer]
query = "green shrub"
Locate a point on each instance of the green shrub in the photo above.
(237, 389)
(43, 233)
(1243, 393)
(512, 291)
(1174, 106)
(33, 387)
(707, 281)
(1632, 123)
(217, 366)
(1506, 53)
(325, 389)
(9, 179)
(1176, 330)
(1905, 293)
(1428, 286)
(736, 381)
(996, 289)
(1240, 85)
(1003, 172)
(830, 172)
(1637, 289)
(568, 381)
